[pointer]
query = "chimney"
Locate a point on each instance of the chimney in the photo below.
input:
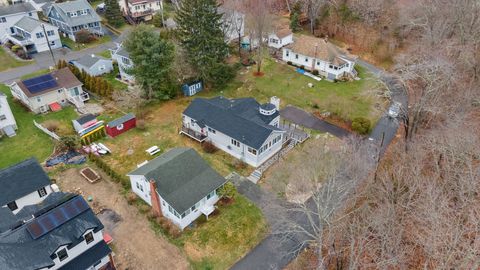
(275, 101)
(154, 199)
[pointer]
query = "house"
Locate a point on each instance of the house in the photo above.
(39, 4)
(318, 54)
(10, 15)
(280, 38)
(93, 65)
(22, 184)
(121, 125)
(34, 35)
(241, 127)
(121, 56)
(62, 232)
(51, 91)
(140, 10)
(43, 228)
(73, 16)
(179, 185)
(8, 125)
(233, 23)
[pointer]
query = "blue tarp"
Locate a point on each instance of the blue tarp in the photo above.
(71, 157)
(301, 71)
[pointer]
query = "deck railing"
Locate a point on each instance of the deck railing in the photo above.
(193, 134)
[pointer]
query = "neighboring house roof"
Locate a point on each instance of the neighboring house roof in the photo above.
(121, 120)
(89, 257)
(182, 177)
(86, 118)
(42, 1)
(73, 6)
(20, 248)
(283, 33)
(239, 119)
(16, 8)
(21, 179)
(141, 1)
(28, 24)
(315, 47)
(123, 52)
(89, 60)
(64, 79)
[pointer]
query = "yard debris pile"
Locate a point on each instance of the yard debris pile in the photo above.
(68, 158)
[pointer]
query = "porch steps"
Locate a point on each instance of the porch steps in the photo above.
(255, 176)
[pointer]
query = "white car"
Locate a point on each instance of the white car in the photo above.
(394, 110)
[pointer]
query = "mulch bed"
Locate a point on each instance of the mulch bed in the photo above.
(90, 175)
(335, 120)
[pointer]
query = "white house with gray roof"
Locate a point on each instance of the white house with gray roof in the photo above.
(241, 127)
(73, 16)
(94, 65)
(29, 33)
(8, 125)
(10, 15)
(179, 185)
(122, 57)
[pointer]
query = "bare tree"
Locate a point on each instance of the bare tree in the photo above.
(236, 19)
(313, 8)
(259, 21)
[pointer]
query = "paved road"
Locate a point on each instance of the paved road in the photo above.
(305, 119)
(272, 253)
(44, 60)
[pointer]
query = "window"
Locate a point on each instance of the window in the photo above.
(42, 192)
(163, 203)
(88, 237)
(287, 53)
(30, 14)
(318, 63)
(251, 150)
(39, 35)
(193, 208)
(210, 195)
(3, 20)
(59, 91)
(236, 143)
(84, 12)
(62, 254)
(139, 186)
(296, 56)
(212, 130)
(52, 42)
(12, 206)
(3, 117)
(306, 59)
(330, 66)
(170, 209)
(39, 99)
(50, 33)
(96, 24)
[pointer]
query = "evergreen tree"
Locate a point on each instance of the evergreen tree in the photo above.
(200, 32)
(152, 57)
(113, 13)
(295, 17)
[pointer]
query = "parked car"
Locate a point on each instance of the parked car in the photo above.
(394, 110)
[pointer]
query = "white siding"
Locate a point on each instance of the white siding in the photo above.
(7, 112)
(30, 199)
(275, 42)
(13, 19)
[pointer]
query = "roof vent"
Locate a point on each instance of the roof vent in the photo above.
(267, 109)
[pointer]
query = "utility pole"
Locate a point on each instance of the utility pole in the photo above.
(49, 47)
(161, 7)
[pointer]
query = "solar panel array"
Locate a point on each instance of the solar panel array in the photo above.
(57, 217)
(40, 83)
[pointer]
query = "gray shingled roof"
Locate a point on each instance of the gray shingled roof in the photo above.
(21, 179)
(121, 120)
(70, 6)
(17, 8)
(28, 23)
(19, 251)
(123, 52)
(88, 60)
(237, 118)
(182, 177)
(89, 257)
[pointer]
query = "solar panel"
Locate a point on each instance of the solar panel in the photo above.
(58, 216)
(40, 83)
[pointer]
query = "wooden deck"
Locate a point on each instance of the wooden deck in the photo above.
(199, 137)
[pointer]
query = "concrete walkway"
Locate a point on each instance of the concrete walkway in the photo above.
(300, 117)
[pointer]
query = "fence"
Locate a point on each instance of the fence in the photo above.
(49, 133)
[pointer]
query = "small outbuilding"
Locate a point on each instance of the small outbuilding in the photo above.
(121, 125)
(190, 89)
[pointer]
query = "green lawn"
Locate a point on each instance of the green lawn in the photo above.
(105, 54)
(8, 62)
(30, 141)
(79, 46)
(347, 99)
(223, 239)
(110, 77)
(35, 74)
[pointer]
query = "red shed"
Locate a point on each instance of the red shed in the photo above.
(120, 125)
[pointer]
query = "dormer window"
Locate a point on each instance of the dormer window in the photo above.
(62, 254)
(89, 238)
(84, 12)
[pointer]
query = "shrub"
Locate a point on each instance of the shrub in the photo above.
(131, 197)
(84, 36)
(302, 67)
(315, 105)
(209, 147)
(239, 165)
(15, 48)
(228, 190)
(289, 63)
(144, 208)
(174, 231)
(315, 72)
(361, 125)
(51, 125)
(141, 124)
(151, 214)
(70, 142)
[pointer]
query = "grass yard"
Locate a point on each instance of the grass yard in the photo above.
(162, 125)
(9, 62)
(346, 99)
(111, 78)
(30, 141)
(105, 54)
(79, 46)
(225, 238)
(35, 74)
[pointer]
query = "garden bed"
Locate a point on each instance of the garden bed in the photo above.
(89, 174)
